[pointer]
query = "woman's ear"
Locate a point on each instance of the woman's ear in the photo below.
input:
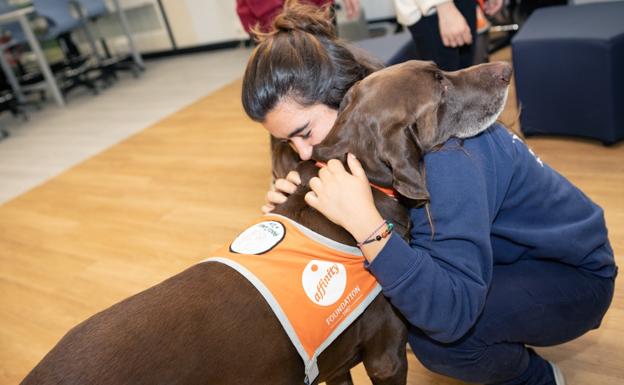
(283, 158)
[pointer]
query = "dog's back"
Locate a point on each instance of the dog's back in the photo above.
(205, 325)
(208, 324)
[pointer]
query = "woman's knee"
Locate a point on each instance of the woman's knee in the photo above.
(469, 359)
(444, 358)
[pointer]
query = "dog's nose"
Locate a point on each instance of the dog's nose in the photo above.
(503, 72)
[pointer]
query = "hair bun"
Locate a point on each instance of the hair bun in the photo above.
(295, 16)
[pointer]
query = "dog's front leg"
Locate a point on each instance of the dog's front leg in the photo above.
(387, 367)
(341, 379)
(384, 356)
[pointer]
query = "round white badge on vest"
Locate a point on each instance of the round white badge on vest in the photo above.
(324, 282)
(259, 238)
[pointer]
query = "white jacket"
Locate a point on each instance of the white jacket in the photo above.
(410, 11)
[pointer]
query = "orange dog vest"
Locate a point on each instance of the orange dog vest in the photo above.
(317, 287)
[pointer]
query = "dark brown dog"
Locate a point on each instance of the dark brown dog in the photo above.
(209, 325)
(394, 116)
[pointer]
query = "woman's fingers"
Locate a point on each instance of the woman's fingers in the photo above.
(466, 35)
(461, 37)
(322, 172)
(285, 186)
(280, 191)
(335, 166)
(312, 199)
(267, 208)
(454, 30)
(275, 197)
(294, 177)
(316, 185)
(332, 173)
(356, 167)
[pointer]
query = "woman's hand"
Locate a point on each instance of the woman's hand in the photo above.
(454, 29)
(345, 198)
(280, 191)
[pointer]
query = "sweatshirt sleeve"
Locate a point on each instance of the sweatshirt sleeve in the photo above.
(440, 283)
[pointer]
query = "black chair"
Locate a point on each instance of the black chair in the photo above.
(8, 102)
(92, 10)
(75, 69)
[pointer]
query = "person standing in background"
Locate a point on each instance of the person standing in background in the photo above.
(443, 30)
(262, 12)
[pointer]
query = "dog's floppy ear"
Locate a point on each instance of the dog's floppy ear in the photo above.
(407, 163)
(423, 131)
(283, 158)
(404, 158)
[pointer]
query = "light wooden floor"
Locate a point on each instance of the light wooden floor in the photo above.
(161, 200)
(55, 139)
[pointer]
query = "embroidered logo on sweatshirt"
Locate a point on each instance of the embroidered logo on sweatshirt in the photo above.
(515, 138)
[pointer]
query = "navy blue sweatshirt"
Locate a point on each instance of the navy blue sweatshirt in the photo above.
(493, 201)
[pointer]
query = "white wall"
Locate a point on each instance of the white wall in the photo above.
(378, 9)
(198, 22)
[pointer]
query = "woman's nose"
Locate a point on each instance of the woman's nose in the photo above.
(303, 148)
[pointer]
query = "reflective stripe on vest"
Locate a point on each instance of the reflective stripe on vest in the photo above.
(316, 286)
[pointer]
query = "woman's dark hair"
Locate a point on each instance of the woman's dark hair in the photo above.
(301, 57)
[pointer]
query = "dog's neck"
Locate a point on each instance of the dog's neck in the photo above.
(299, 211)
(388, 191)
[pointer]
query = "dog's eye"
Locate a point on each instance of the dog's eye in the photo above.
(438, 76)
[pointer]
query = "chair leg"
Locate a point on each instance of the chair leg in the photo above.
(68, 46)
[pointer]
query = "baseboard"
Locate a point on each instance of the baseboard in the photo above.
(200, 48)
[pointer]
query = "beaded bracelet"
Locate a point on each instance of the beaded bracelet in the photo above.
(372, 238)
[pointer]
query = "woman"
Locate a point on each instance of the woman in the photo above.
(518, 257)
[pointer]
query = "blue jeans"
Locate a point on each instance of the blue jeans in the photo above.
(532, 302)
